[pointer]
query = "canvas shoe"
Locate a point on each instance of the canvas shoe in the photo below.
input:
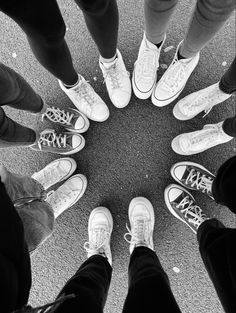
(195, 142)
(141, 218)
(71, 119)
(182, 205)
(196, 102)
(100, 227)
(55, 172)
(67, 194)
(173, 81)
(193, 176)
(65, 143)
(117, 81)
(87, 100)
(145, 68)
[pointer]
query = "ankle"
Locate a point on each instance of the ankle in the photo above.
(107, 60)
(74, 83)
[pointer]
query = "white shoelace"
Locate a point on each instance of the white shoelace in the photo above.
(58, 115)
(201, 181)
(115, 75)
(60, 197)
(86, 93)
(145, 61)
(139, 233)
(52, 174)
(51, 139)
(98, 242)
(192, 212)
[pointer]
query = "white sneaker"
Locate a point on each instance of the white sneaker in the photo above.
(71, 119)
(173, 80)
(182, 205)
(141, 218)
(100, 227)
(64, 143)
(195, 142)
(117, 81)
(196, 102)
(67, 194)
(87, 100)
(55, 172)
(145, 69)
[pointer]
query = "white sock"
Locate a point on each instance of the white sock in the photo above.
(107, 61)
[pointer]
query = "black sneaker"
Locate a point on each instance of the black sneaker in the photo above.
(182, 205)
(193, 176)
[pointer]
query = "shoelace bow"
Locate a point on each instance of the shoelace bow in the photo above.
(51, 139)
(58, 115)
(114, 74)
(85, 92)
(198, 102)
(98, 241)
(201, 181)
(176, 75)
(191, 211)
(139, 233)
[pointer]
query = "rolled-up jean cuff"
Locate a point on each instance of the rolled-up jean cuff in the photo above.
(206, 226)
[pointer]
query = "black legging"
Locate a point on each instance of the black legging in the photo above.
(44, 26)
(228, 85)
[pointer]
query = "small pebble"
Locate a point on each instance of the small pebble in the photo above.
(167, 49)
(163, 66)
(176, 269)
(224, 63)
(14, 55)
(95, 78)
(146, 175)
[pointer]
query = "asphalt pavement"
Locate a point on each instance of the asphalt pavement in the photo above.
(128, 155)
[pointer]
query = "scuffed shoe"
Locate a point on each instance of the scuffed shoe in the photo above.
(117, 81)
(145, 69)
(87, 100)
(67, 194)
(182, 205)
(100, 227)
(193, 176)
(196, 102)
(173, 81)
(65, 143)
(55, 172)
(198, 141)
(71, 119)
(141, 218)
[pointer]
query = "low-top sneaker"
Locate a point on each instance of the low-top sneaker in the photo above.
(71, 119)
(198, 141)
(182, 205)
(173, 81)
(196, 102)
(65, 143)
(193, 176)
(145, 68)
(117, 81)
(55, 172)
(87, 100)
(141, 218)
(100, 227)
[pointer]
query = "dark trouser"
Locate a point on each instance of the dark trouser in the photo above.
(228, 85)
(16, 93)
(44, 26)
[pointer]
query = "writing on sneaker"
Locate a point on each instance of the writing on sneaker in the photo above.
(182, 205)
(65, 143)
(87, 100)
(100, 227)
(141, 218)
(117, 81)
(198, 141)
(196, 102)
(67, 194)
(72, 119)
(55, 172)
(145, 68)
(193, 176)
(173, 80)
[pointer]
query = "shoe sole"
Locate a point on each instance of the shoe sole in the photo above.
(70, 172)
(106, 212)
(188, 164)
(147, 204)
(169, 206)
(162, 103)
